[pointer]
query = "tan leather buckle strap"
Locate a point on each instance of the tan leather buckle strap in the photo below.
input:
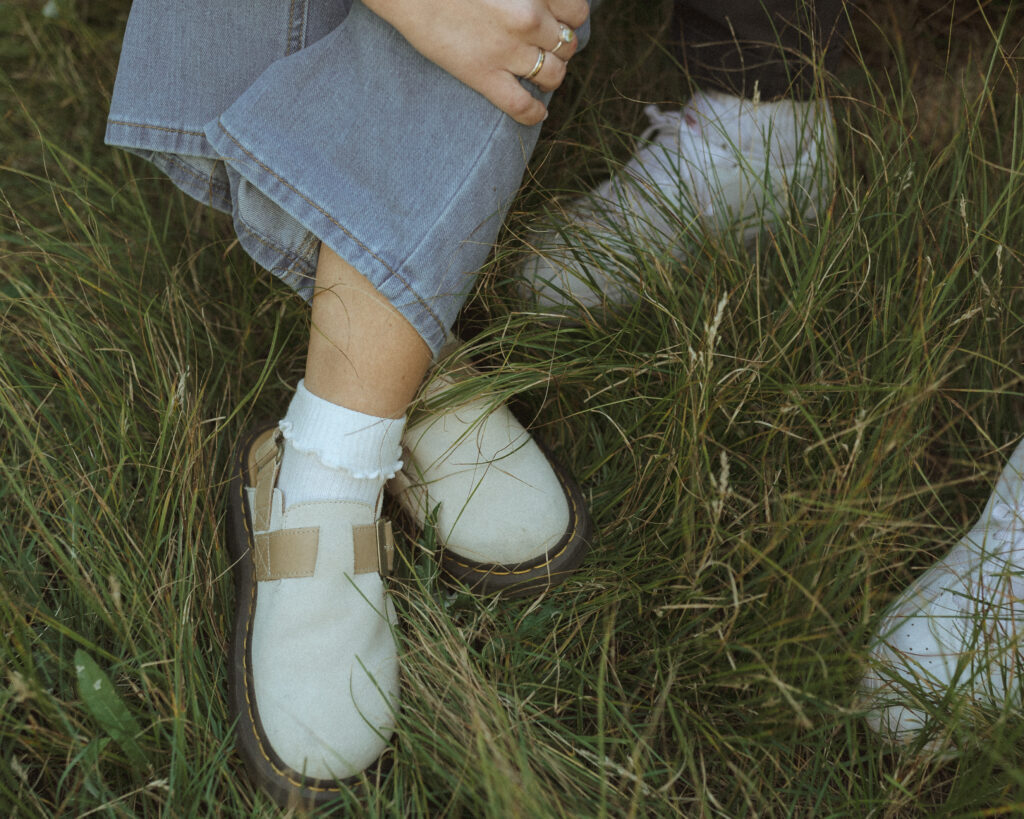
(264, 461)
(264, 448)
(286, 553)
(374, 547)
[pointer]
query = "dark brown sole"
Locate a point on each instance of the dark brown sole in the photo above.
(534, 576)
(287, 786)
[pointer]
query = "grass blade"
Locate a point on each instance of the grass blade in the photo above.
(107, 708)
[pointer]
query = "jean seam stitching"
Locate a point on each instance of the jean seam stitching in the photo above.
(293, 33)
(209, 181)
(294, 259)
(156, 127)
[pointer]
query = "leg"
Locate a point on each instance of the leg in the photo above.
(363, 354)
(325, 176)
(315, 676)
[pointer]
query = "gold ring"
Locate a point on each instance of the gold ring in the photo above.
(565, 36)
(537, 66)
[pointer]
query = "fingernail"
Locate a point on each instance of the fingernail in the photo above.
(546, 112)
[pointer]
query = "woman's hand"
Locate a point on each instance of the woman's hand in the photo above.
(490, 44)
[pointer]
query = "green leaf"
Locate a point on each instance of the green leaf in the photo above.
(101, 700)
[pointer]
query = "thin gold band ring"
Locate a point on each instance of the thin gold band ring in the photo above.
(537, 66)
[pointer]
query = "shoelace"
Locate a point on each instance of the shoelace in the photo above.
(660, 121)
(1003, 513)
(656, 162)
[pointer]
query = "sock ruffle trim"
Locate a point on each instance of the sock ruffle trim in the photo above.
(385, 472)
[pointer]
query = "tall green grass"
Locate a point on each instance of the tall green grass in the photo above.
(771, 448)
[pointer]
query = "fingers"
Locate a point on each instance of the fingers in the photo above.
(573, 13)
(562, 41)
(558, 33)
(548, 32)
(535, 22)
(552, 69)
(508, 95)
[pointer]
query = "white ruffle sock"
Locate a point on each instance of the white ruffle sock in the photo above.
(334, 453)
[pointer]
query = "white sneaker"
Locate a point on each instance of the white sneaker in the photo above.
(722, 163)
(952, 639)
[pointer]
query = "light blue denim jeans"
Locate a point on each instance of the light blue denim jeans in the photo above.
(314, 121)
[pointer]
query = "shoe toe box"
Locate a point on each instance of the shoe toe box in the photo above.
(325, 673)
(937, 648)
(509, 523)
(331, 727)
(896, 721)
(496, 495)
